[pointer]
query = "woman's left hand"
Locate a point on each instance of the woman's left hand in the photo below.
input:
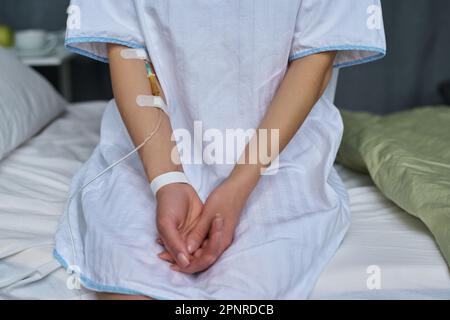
(214, 231)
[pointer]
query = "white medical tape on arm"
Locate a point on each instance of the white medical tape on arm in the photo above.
(136, 54)
(167, 178)
(152, 102)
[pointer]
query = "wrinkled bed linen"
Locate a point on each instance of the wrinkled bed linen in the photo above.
(33, 189)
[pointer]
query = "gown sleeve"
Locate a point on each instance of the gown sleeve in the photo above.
(92, 24)
(353, 28)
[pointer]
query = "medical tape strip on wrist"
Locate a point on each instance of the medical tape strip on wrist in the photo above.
(166, 179)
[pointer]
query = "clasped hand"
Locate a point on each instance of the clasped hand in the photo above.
(194, 235)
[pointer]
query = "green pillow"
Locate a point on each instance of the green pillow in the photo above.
(407, 155)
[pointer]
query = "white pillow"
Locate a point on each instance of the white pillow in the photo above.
(27, 102)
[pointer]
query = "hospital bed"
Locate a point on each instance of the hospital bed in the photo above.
(387, 254)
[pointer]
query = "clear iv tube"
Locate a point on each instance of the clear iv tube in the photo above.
(69, 202)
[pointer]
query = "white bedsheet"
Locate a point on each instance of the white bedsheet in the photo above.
(33, 188)
(383, 240)
(34, 182)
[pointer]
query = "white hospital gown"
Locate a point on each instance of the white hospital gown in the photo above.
(219, 62)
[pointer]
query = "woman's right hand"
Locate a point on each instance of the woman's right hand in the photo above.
(178, 210)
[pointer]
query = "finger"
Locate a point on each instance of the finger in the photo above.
(174, 267)
(191, 220)
(189, 226)
(198, 253)
(165, 255)
(159, 241)
(212, 250)
(198, 234)
(174, 243)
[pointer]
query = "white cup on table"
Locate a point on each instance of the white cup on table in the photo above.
(33, 39)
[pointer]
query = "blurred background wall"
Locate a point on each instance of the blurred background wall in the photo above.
(418, 40)
(26, 14)
(418, 34)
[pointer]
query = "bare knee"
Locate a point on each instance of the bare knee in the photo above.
(116, 296)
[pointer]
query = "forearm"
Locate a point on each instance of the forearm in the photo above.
(129, 80)
(303, 85)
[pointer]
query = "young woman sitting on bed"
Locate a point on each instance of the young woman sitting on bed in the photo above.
(230, 232)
